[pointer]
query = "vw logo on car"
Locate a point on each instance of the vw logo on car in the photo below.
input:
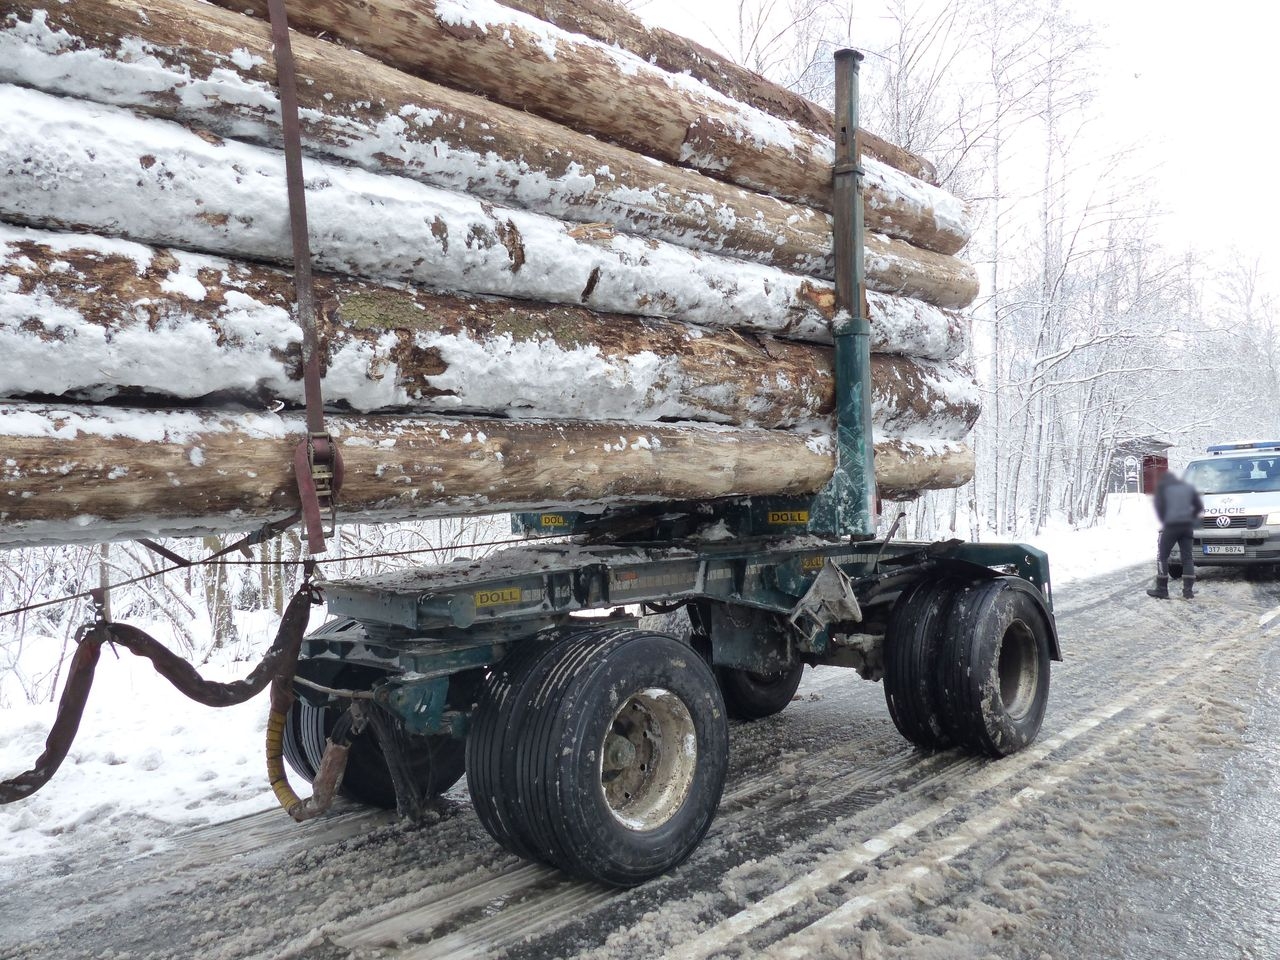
(1224, 521)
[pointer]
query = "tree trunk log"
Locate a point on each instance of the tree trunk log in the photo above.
(95, 320)
(89, 474)
(76, 165)
(617, 26)
(525, 63)
(213, 69)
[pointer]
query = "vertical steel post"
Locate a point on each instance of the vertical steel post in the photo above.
(846, 507)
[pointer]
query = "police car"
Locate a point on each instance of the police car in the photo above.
(1240, 484)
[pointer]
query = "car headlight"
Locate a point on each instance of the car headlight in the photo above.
(1273, 519)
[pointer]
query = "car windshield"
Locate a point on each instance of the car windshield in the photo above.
(1235, 475)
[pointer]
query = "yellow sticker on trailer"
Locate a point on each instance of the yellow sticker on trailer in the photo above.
(493, 598)
(813, 563)
(788, 516)
(554, 520)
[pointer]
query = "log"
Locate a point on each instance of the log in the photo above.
(80, 166)
(91, 320)
(213, 69)
(614, 24)
(526, 63)
(908, 466)
(89, 474)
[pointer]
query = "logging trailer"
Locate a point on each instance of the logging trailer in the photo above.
(599, 746)
(588, 740)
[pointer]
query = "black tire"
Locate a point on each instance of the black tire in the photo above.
(613, 794)
(753, 696)
(912, 650)
(304, 729)
(303, 738)
(994, 670)
(435, 762)
(490, 751)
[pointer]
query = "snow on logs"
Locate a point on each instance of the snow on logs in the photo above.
(213, 69)
(616, 285)
(92, 319)
(615, 25)
(529, 64)
(87, 474)
(77, 165)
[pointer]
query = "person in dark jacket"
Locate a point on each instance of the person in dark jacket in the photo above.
(1178, 505)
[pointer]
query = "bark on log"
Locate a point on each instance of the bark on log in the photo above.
(528, 64)
(81, 166)
(213, 69)
(617, 26)
(91, 320)
(89, 474)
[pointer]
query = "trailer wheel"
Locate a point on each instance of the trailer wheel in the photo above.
(753, 696)
(994, 672)
(435, 762)
(303, 729)
(491, 752)
(623, 759)
(912, 649)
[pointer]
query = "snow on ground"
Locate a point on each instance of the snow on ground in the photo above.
(148, 762)
(146, 758)
(1126, 536)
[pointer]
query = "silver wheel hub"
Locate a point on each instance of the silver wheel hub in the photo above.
(1018, 669)
(648, 759)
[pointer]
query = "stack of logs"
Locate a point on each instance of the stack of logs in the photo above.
(565, 260)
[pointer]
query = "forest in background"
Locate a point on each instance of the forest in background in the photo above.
(1091, 329)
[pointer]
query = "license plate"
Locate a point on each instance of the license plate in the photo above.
(1224, 548)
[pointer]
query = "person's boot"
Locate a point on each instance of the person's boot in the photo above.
(1188, 587)
(1161, 590)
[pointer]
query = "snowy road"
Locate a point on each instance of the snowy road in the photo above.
(1145, 822)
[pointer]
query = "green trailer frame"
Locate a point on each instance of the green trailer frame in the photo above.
(427, 626)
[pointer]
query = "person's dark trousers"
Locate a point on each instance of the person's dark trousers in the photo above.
(1179, 533)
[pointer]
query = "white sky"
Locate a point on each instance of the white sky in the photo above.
(1191, 84)
(1195, 84)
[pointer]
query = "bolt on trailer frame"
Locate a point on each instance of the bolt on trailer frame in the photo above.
(599, 746)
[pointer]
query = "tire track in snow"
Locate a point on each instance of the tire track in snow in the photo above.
(1133, 582)
(527, 907)
(803, 944)
(272, 830)
(841, 864)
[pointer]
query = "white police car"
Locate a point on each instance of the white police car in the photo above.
(1240, 484)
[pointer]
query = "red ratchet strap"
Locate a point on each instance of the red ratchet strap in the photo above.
(317, 462)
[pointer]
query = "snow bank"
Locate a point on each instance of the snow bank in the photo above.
(147, 760)
(1125, 537)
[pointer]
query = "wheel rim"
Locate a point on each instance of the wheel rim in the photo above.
(648, 759)
(1019, 670)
